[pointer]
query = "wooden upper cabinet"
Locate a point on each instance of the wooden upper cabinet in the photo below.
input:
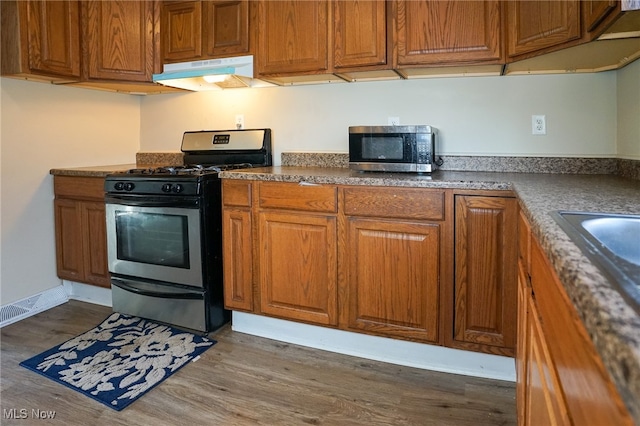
(42, 38)
(486, 255)
(292, 37)
(596, 11)
(120, 39)
(541, 26)
(447, 32)
(598, 15)
(360, 33)
(226, 27)
(181, 30)
(193, 30)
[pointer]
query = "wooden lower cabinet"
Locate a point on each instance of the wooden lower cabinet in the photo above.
(524, 294)
(543, 400)
(393, 261)
(392, 286)
(297, 251)
(485, 287)
(561, 379)
(298, 266)
(522, 343)
(375, 260)
(238, 259)
(237, 237)
(80, 224)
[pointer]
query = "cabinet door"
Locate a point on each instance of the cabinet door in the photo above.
(485, 274)
(292, 37)
(94, 244)
(521, 349)
(181, 24)
(69, 252)
(544, 401)
(298, 266)
(540, 25)
(238, 259)
(589, 393)
(598, 15)
(360, 34)
(120, 39)
(393, 278)
(522, 334)
(448, 32)
(54, 37)
(226, 27)
(596, 10)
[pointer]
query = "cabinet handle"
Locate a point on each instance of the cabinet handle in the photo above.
(303, 183)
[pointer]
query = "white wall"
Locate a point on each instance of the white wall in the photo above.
(476, 116)
(44, 127)
(628, 106)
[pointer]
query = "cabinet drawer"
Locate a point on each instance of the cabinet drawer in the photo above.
(236, 193)
(394, 203)
(79, 187)
(295, 196)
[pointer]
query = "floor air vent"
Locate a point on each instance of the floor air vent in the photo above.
(32, 305)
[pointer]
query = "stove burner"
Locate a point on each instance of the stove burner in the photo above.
(192, 169)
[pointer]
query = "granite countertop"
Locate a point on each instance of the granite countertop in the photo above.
(614, 326)
(93, 171)
(147, 160)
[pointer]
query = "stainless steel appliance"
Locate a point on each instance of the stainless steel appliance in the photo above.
(393, 148)
(164, 230)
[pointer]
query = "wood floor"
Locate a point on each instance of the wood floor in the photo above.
(247, 380)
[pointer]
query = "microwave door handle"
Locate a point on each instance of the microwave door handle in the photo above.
(160, 294)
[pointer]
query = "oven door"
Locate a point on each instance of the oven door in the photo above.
(156, 238)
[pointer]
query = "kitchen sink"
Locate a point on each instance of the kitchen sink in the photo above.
(612, 242)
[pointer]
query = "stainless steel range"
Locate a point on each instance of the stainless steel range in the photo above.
(164, 230)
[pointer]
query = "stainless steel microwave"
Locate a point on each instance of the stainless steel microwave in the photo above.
(393, 148)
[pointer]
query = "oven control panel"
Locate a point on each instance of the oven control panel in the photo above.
(152, 186)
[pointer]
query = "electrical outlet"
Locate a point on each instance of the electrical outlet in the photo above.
(393, 121)
(538, 125)
(240, 121)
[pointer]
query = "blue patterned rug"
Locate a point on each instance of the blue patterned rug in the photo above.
(120, 360)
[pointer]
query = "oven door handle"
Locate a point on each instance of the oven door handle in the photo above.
(150, 201)
(160, 294)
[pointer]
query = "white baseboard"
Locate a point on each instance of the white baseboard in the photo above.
(88, 293)
(400, 352)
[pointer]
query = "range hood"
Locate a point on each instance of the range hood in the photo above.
(210, 74)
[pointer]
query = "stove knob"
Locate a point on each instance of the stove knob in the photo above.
(129, 186)
(119, 186)
(166, 187)
(177, 188)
